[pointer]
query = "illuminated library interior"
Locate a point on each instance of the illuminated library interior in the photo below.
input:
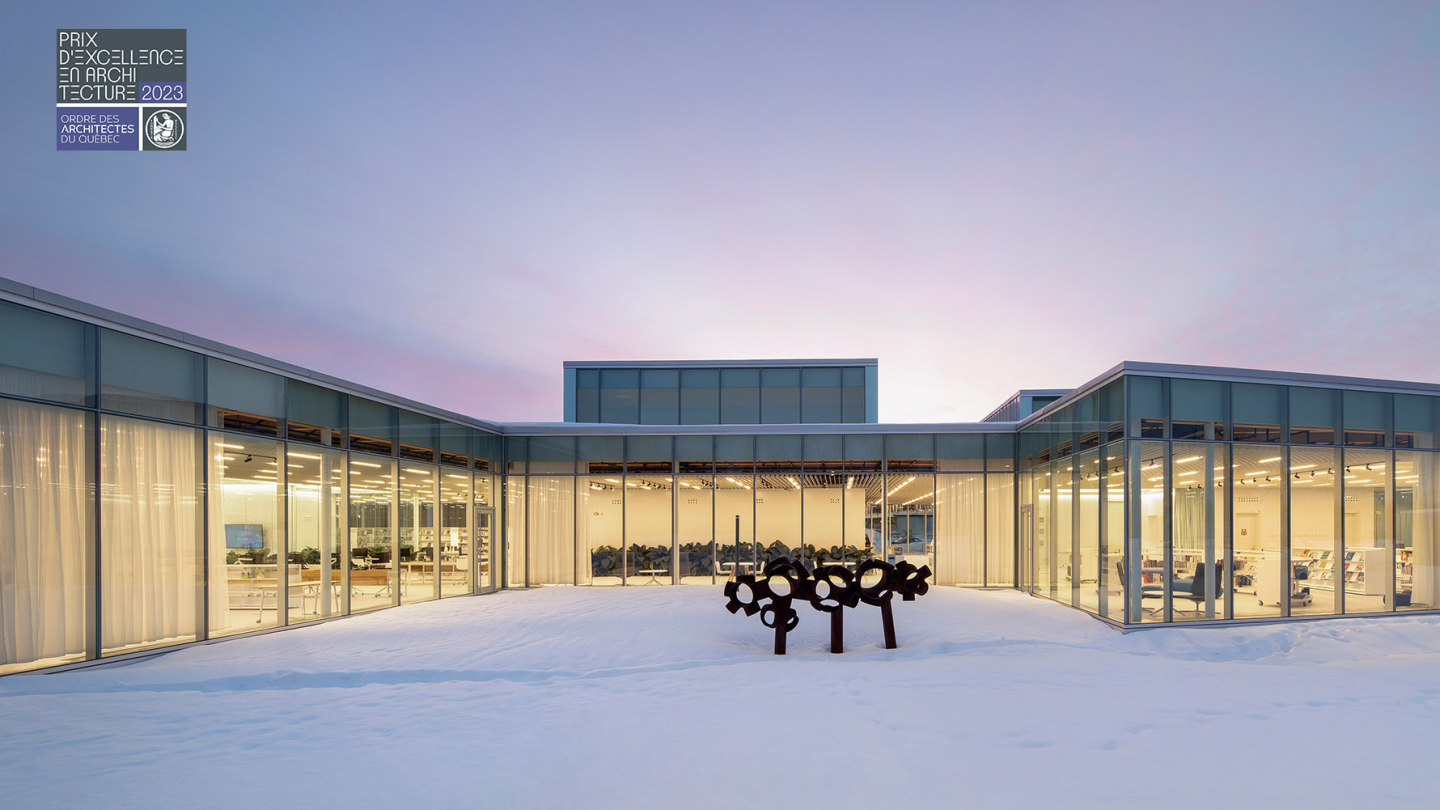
(159, 489)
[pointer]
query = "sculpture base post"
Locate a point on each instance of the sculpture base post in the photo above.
(837, 631)
(888, 619)
(780, 638)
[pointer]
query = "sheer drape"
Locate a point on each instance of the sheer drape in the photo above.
(960, 529)
(1000, 529)
(515, 531)
(45, 531)
(40, 385)
(1426, 558)
(552, 530)
(150, 583)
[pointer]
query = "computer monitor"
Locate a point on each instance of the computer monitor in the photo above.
(244, 535)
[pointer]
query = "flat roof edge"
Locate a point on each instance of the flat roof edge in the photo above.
(65, 306)
(611, 429)
(761, 363)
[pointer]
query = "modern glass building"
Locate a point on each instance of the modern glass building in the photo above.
(723, 392)
(159, 489)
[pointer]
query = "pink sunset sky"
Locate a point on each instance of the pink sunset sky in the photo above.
(447, 201)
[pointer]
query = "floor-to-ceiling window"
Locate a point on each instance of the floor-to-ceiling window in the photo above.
(865, 484)
(1315, 520)
(486, 450)
(777, 497)
(649, 500)
(551, 505)
(1089, 560)
(457, 532)
(695, 507)
(910, 498)
(959, 529)
(1261, 583)
(1146, 582)
(1368, 558)
(317, 510)
(1197, 507)
(419, 559)
(825, 517)
(249, 586)
(1417, 530)
(735, 504)
(151, 582)
(374, 514)
(1112, 535)
(1000, 536)
(960, 491)
(600, 511)
(46, 534)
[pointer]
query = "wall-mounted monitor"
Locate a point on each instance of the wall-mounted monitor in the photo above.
(244, 535)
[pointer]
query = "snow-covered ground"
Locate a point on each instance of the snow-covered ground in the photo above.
(656, 697)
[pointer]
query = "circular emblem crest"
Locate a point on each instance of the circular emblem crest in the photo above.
(164, 129)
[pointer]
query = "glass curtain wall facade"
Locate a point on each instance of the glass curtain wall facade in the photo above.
(151, 496)
(660, 510)
(1232, 500)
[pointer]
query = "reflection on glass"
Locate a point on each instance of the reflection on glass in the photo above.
(373, 514)
(249, 583)
(243, 398)
(44, 356)
(150, 379)
(316, 488)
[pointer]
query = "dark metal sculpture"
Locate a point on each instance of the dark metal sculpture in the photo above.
(830, 589)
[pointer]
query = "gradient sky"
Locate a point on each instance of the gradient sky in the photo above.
(445, 201)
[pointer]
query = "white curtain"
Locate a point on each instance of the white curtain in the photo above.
(1425, 561)
(1000, 529)
(41, 385)
(552, 530)
(515, 531)
(150, 583)
(960, 529)
(45, 531)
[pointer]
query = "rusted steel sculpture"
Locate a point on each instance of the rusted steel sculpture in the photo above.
(830, 589)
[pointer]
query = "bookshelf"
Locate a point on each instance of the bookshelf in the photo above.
(1351, 568)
